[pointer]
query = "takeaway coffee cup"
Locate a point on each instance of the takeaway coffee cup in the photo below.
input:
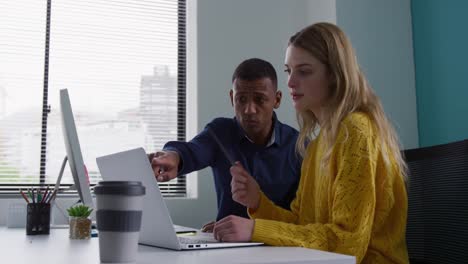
(119, 211)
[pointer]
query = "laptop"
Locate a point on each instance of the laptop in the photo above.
(157, 228)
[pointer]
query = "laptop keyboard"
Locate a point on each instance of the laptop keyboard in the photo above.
(188, 240)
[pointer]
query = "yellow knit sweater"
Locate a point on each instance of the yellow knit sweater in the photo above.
(358, 209)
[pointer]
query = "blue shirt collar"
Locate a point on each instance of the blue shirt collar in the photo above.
(275, 135)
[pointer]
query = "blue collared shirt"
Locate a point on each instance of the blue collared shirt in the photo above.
(276, 166)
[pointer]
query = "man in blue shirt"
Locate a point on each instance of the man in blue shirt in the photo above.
(255, 137)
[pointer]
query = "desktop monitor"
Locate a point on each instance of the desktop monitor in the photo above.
(73, 149)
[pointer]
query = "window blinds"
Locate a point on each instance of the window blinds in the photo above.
(123, 63)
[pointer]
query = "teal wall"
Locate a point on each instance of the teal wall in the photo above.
(380, 31)
(440, 39)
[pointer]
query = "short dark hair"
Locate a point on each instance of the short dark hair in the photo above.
(254, 69)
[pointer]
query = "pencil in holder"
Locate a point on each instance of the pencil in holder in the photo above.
(38, 219)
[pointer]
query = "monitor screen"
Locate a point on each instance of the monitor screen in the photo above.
(72, 145)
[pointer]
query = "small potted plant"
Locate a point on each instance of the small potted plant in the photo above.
(80, 223)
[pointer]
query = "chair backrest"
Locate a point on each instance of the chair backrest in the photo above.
(437, 230)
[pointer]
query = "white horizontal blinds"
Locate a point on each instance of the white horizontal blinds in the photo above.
(119, 62)
(22, 31)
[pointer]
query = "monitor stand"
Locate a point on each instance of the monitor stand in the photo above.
(53, 204)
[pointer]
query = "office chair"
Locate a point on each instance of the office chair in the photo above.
(437, 229)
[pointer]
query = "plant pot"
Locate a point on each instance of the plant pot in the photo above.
(80, 227)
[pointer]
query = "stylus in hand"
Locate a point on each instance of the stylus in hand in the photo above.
(226, 153)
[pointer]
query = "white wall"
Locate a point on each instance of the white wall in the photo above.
(229, 32)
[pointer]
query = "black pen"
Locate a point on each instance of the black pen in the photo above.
(32, 195)
(51, 197)
(45, 195)
(231, 160)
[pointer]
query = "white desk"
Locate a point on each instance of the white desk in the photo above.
(16, 247)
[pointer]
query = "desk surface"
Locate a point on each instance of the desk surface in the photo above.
(16, 247)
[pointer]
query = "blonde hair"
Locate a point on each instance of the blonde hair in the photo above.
(349, 92)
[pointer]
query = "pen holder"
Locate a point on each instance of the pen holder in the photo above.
(38, 219)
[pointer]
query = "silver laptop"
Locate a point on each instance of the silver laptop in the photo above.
(157, 228)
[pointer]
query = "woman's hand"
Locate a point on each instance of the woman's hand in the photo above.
(234, 229)
(244, 188)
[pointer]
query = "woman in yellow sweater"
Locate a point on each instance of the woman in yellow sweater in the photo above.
(351, 197)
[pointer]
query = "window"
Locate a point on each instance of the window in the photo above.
(123, 63)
